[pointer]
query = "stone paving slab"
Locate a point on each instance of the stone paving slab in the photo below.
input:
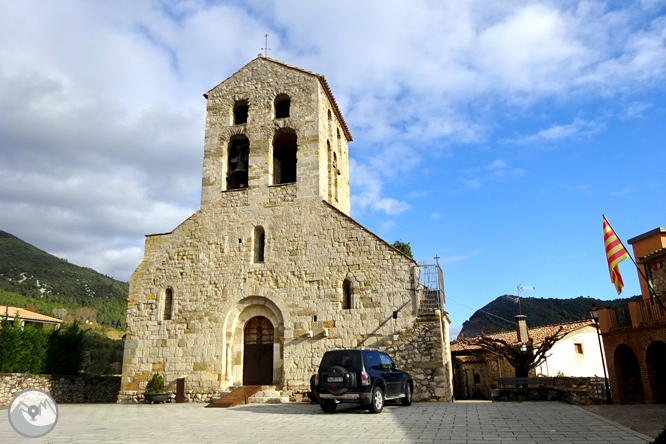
(516, 423)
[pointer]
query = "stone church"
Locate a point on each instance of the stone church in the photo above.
(272, 271)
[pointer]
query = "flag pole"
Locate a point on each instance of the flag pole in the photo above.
(654, 294)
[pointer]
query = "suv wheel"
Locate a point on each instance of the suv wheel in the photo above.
(377, 400)
(407, 400)
(328, 406)
(344, 380)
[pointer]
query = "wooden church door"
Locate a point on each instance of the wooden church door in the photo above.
(258, 352)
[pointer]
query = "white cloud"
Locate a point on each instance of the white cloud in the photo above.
(366, 180)
(498, 170)
(102, 120)
(556, 133)
(636, 109)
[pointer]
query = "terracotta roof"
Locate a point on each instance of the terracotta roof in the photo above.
(537, 333)
(651, 256)
(472, 358)
(322, 81)
(21, 313)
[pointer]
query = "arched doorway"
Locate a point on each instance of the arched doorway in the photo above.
(628, 372)
(656, 368)
(258, 351)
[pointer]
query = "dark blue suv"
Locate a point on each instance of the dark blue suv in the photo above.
(366, 376)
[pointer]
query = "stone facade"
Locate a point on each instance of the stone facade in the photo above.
(284, 256)
(423, 351)
(63, 389)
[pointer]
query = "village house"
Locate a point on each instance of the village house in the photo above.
(576, 354)
(272, 271)
(635, 334)
(27, 317)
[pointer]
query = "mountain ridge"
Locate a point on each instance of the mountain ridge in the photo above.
(31, 277)
(497, 316)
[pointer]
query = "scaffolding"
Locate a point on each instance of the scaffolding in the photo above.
(432, 283)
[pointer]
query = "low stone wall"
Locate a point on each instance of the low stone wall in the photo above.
(572, 390)
(64, 389)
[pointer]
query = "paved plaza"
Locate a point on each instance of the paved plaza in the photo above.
(468, 422)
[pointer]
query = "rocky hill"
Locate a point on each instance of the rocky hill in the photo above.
(497, 316)
(34, 279)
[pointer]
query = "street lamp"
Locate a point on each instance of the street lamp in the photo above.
(595, 316)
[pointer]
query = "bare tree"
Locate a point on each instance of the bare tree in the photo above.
(522, 357)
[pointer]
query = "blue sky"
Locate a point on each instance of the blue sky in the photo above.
(492, 134)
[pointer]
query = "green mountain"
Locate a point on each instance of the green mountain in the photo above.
(497, 316)
(34, 279)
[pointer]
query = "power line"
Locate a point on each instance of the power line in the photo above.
(482, 311)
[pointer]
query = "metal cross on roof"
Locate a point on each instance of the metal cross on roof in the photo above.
(266, 48)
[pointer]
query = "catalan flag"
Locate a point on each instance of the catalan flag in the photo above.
(615, 253)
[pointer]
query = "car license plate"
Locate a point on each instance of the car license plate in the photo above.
(334, 379)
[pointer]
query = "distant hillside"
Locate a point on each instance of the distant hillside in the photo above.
(34, 279)
(539, 312)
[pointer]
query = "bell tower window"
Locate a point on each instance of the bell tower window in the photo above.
(284, 157)
(282, 105)
(240, 112)
(237, 167)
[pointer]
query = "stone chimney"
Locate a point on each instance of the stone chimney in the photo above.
(521, 328)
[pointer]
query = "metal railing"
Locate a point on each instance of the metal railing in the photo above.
(432, 281)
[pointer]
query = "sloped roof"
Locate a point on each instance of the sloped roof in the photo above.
(14, 312)
(322, 81)
(537, 333)
(654, 255)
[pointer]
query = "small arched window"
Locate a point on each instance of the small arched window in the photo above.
(330, 171)
(284, 157)
(335, 176)
(346, 295)
(168, 304)
(477, 378)
(282, 105)
(259, 244)
(241, 109)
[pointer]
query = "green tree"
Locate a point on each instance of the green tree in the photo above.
(22, 349)
(65, 351)
(403, 247)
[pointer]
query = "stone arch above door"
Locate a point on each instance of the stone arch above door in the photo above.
(241, 313)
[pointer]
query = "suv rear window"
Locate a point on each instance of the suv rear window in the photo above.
(349, 359)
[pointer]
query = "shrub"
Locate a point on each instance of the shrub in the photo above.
(155, 385)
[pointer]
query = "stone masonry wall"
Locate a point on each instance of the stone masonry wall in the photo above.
(422, 351)
(259, 83)
(64, 389)
(310, 249)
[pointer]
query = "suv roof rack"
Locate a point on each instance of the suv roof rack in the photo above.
(369, 348)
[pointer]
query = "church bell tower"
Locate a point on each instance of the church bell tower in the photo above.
(274, 134)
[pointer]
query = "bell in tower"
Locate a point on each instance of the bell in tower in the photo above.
(239, 154)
